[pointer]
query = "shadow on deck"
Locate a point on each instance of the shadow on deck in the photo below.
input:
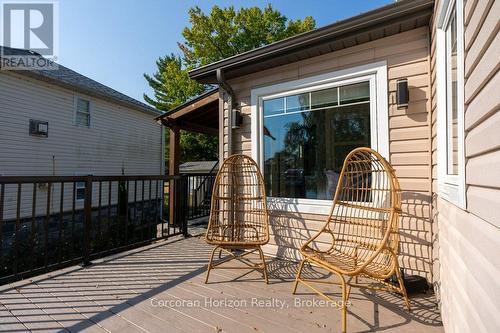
(159, 288)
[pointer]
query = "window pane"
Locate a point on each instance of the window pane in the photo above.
(82, 105)
(83, 119)
(298, 102)
(353, 93)
(451, 110)
(80, 190)
(274, 106)
(324, 98)
(304, 152)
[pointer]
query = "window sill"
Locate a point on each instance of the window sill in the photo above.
(452, 193)
(292, 205)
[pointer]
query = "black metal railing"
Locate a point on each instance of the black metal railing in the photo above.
(199, 187)
(47, 223)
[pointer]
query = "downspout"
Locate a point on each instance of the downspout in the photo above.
(233, 116)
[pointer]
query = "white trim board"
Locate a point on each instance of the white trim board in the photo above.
(376, 73)
(450, 187)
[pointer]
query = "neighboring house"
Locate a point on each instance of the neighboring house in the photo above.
(306, 101)
(59, 122)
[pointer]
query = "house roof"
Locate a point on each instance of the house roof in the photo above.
(197, 166)
(190, 103)
(69, 79)
(200, 114)
(382, 22)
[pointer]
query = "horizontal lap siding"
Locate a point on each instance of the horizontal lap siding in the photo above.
(469, 239)
(482, 116)
(119, 139)
(407, 57)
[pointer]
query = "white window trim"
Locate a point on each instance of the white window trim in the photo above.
(76, 192)
(75, 108)
(450, 187)
(376, 73)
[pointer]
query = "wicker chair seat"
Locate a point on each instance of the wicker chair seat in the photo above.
(244, 233)
(345, 263)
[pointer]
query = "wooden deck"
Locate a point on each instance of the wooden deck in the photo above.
(160, 288)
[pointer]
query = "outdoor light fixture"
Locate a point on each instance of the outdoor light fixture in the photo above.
(402, 95)
(39, 128)
(236, 119)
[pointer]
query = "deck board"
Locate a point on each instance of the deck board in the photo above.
(118, 294)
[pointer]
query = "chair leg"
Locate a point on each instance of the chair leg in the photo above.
(343, 309)
(209, 266)
(297, 278)
(402, 288)
(264, 267)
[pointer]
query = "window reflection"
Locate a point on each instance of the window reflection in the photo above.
(304, 150)
(452, 112)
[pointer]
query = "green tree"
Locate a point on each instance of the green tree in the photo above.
(171, 84)
(222, 33)
(226, 32)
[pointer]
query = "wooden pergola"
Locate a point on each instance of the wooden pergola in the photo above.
(199, 115)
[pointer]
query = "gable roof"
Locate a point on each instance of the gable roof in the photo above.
(199, 114)
(69, 79)
(382, 22)
(190, 103)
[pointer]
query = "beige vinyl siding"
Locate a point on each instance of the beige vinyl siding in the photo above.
(482, 103)
(119, 138)
(407, 56)
(469, 239)
(469, 261)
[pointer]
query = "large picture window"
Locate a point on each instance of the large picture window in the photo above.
(308, 135)
(303, 129)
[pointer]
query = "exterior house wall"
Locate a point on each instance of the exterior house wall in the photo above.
(407, 56)
(469, 239)
(119, 139)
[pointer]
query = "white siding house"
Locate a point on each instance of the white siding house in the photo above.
(112, 134)
(119, 139)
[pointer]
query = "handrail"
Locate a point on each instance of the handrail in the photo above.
(210, 173)
(58, 179)
(79, 218)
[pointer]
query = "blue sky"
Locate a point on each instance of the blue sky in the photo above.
(116, 41)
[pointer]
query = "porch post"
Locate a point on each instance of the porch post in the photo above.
(173, 168)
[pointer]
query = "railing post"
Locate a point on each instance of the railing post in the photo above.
(194, 199)
(87, 223)
(183, 198)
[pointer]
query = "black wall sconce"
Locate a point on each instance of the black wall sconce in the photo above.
(402, 94)
(236, 119)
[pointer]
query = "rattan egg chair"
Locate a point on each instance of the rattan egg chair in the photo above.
(360, 237)
(238, 223)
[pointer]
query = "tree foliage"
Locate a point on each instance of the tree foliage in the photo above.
(226, 32)
(222, 33)
(171, 84)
